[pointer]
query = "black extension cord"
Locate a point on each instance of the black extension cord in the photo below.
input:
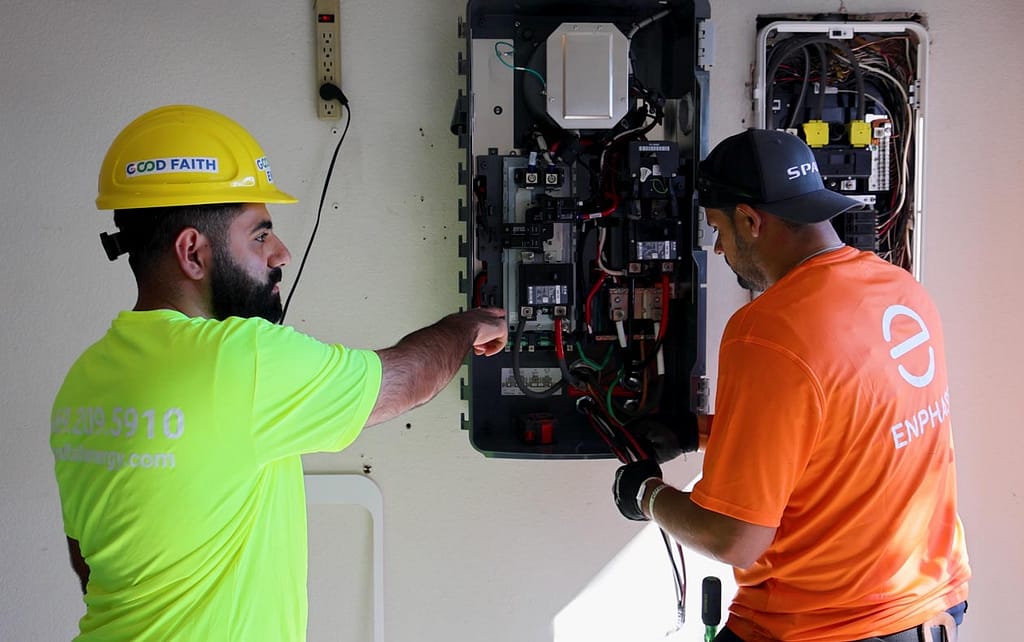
(328, 91)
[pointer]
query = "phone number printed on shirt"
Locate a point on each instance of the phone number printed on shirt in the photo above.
(119, 422)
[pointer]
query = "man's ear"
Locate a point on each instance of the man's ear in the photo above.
(193, 253)
(749, 219)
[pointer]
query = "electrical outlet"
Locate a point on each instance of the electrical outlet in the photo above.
(328, 55)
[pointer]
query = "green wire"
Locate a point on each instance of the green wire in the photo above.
(586, 359)
(501, 58)
(608, 397)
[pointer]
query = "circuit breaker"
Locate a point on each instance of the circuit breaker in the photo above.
(583, 123)
(853, 87)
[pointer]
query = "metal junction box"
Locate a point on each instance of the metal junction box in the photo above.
(583, 123)
(854, 88)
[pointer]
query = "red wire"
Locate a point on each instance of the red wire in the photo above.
(559, 346)
(607, 440)
(478, 285)
(614, 206)
(608, 210)
(590, 298)
(640, 451)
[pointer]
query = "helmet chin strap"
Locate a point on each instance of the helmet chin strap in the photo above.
(112, 245)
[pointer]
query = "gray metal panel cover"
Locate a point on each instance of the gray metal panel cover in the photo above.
(588, 75)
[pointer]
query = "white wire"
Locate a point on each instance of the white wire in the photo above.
(600, 251)
(618, 138)
(885, 74)
(906, 160)
(620, 329)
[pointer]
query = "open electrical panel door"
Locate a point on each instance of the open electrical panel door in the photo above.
(583, 126)
(854, 90)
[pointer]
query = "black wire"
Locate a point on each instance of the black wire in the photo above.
(319, 211)
(781, 52)
(567, 376)
(680, 577)
(823, 81)
(610, 437)
(803, 92)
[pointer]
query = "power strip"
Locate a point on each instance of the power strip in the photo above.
(328, 55)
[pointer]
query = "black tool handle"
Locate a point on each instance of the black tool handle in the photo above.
(711, 601)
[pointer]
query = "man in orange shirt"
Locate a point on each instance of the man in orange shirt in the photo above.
(829, 479)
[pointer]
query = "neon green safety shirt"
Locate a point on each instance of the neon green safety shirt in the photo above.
(176, 443)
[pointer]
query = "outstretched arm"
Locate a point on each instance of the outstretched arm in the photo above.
(422, 363)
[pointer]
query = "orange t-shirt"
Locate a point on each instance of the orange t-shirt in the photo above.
(832, 424)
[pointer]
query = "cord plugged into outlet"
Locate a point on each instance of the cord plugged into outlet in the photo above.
(328, 56)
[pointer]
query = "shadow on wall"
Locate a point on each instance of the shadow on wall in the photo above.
(633, 596)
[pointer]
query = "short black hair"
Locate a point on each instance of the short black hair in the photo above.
(149, 232)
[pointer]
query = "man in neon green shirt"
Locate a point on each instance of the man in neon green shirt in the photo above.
(177, 435)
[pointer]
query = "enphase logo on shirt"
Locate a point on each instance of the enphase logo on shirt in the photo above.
(909, 344)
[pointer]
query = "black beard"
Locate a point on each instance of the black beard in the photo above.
(236, 294)
(747, 285)
(752, 278)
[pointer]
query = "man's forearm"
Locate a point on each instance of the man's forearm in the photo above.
(717, 536)
(421, 365)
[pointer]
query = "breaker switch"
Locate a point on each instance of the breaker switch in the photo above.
(860, 133)
(537, 428)
(816, 132)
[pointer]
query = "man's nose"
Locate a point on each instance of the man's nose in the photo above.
(280, 257)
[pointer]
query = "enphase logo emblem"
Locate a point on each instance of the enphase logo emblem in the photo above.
(908, 344)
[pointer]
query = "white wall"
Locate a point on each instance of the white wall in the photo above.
(475, 549)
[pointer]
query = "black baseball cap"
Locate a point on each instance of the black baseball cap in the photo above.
(773, 171)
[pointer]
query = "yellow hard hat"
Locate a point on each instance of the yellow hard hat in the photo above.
(185, 155)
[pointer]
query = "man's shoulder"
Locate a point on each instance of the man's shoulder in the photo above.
(169, 323)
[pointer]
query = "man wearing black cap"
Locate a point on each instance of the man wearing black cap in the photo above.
(829, 479)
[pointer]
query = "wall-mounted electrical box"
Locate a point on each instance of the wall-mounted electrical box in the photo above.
(853, 87)
(583, 123)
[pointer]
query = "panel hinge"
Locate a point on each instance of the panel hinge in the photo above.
(702, 396)
(705, 44)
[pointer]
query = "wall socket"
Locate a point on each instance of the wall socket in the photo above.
(328, 55)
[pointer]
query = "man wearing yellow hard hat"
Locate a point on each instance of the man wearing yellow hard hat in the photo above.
(177, 435)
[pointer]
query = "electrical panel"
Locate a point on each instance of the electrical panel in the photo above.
(854, 90)
(583, 123)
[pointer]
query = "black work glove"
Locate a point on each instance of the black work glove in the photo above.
(627, 484)
(667, 437)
